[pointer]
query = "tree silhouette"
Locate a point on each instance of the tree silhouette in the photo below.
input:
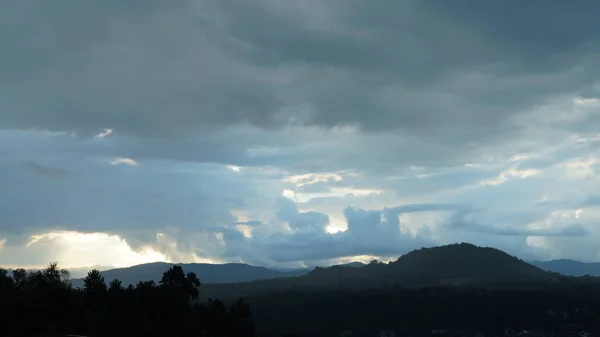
(6, 282)
(115, 285)
(51, 307)
(94, 282)
(177, 281)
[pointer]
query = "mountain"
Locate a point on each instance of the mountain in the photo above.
(451, 265)
(456, 264)
(569, 267)
(207, 273)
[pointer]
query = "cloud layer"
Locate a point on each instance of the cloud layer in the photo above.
(298, 132)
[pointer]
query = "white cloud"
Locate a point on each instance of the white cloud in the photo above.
(506, 175)
(312, 178)
(104, 134)
(126, 161)
(234, 168)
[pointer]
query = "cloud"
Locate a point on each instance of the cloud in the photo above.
(226, 65)
(288, 212)
(46, 171)
(466, 221)
(369, 232)
(125, 161)
(103, 134)
(77, 250)
(298, 143)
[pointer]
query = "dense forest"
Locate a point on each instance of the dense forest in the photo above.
(43, 303)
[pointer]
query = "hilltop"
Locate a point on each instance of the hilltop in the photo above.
(468, 262)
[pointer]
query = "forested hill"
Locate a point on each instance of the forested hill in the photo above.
(451, 265)
(467, 261)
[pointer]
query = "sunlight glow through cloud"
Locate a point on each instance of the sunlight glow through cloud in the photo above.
(73, 249)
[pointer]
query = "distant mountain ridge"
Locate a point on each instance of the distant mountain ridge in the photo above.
(426, 265)
(415, 265)
(207, 273)
(569, 267)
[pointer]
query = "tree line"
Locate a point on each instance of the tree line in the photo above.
(44, 303)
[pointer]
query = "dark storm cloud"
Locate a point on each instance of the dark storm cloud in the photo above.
(439, 70)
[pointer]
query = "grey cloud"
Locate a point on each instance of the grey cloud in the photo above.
(288, 211)
(411, 208)
(152, 70)
(591, 201)
(118, 199)
(463, 220)
(292, 88)
(370, 232)
(45, 171)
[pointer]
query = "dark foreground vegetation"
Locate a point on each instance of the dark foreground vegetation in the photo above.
(454, 291)
(458, 311)
(43, 303)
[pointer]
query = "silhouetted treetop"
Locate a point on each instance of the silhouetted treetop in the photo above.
(94, 282)
(176, 280)
(51, 307)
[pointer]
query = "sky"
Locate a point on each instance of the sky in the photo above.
(300, 132)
